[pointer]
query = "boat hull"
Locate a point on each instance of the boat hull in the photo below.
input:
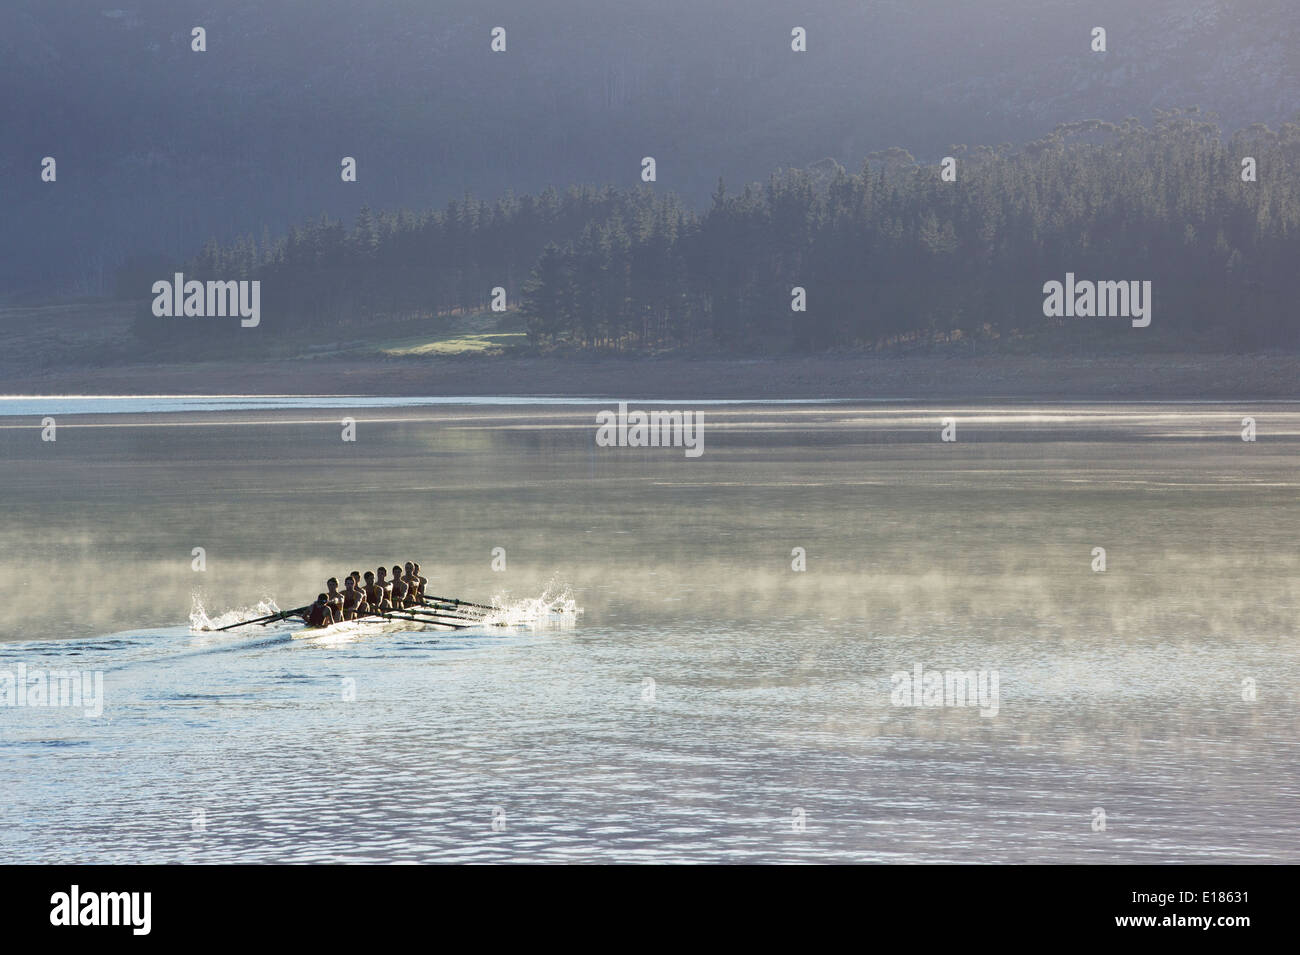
(366, 626)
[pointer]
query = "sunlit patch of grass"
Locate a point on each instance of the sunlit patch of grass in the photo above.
(463, 344)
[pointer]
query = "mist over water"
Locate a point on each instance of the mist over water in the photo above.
(707, 690)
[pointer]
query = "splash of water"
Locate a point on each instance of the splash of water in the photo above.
(556, 608)
(199, 619)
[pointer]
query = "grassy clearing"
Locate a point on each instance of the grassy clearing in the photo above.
(475, 334)
(483, 333)
(493, 343)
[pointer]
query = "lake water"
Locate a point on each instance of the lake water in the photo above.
(709, 702)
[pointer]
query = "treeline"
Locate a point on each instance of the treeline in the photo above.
(892, 253)
(327, 279)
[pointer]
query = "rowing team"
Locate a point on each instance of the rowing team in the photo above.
(373, 592)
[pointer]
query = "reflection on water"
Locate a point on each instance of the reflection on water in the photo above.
(709, 690)
(41, 405)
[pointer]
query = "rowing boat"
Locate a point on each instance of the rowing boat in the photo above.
(438, 613)
(372, 625)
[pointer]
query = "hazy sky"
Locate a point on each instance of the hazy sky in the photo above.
(160, 147)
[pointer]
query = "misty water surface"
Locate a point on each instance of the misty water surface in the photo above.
(708, 691)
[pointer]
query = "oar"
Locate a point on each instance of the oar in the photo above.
(393, 616)
(468, 621)
(418, 608)
(472, 620)
(460, 615)
(440, 618)
(411, 618)
(262, 620)
(427, 621)
(458, 603)
(409, 614)
(461, 612)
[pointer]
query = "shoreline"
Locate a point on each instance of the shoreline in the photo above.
(1165, 377)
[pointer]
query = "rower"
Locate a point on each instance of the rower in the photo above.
(319, 614)
(400, 590)
(382, 581)
(412, 582)
(363, 605)
(353, 598)
(334, 597)
(424, 581)
(375, 595)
